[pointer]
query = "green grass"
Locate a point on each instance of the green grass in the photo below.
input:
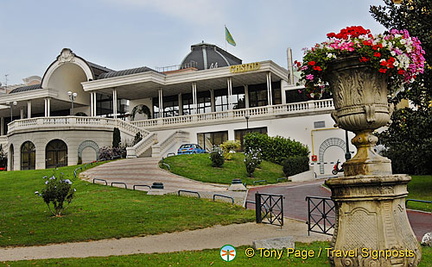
(208, 257)
(198, 167)
(100, 212)
(420, 187)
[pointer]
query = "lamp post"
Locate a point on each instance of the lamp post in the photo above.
(72, 97)
(11, 104)
(247, 123)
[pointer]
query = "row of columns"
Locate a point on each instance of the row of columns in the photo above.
(212, 96)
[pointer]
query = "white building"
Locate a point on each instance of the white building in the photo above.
(211, 97)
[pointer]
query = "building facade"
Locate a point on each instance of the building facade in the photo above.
(211, 97)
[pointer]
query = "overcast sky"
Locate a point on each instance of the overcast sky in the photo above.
(122, 34)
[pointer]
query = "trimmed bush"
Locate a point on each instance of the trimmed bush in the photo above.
(229, 147)
(216, 156)
(253, 158)
(295, 165)
(275, 149)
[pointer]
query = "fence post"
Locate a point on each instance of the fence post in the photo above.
(258, 207)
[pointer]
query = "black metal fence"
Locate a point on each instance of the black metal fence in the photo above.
(321, 215)
(269, 209)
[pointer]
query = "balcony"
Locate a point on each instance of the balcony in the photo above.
(284, 110)
(131, 128)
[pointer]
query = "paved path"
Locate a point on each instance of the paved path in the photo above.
(295, 205)
(213, 237)
(145, 171)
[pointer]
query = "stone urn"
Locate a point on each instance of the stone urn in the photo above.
(372, 227)
(360, 99)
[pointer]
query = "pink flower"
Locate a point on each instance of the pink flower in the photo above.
(309, 77)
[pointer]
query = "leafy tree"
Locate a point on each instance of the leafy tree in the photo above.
(409, 138)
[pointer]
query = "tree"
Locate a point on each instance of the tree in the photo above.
(409, 139)
(116, 137)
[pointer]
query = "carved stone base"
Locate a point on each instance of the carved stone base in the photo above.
(372, 227)
(366, 161)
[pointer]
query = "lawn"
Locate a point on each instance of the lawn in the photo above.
(198, 167)
(100, 212)
(420, 187)
(208, 257)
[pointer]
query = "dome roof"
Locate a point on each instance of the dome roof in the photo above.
(208, 56)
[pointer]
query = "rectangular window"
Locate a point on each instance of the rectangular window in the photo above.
(239, 134)
(319, 124)
(208, 140)
(204, 102)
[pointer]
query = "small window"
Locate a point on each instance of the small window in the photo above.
(319, 124)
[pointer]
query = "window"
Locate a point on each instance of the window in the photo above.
(258, 95)
(204, 102)
(239, 134)
(56, 154)
(208, 140)
(187, 102)
(221, 100)
(28, 156)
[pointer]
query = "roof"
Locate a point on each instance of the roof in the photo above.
(123, 72)
(207, 56)
(26, 88)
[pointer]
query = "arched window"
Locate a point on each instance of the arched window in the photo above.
(28, 156)
(56, 154)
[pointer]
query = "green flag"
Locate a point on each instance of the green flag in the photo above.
(229, 38)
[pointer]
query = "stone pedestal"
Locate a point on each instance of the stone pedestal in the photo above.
(372, 227)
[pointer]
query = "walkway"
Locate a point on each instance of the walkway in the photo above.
(295, 205)
(208, 238)
(145, 171)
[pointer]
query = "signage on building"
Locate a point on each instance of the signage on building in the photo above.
(245, 67)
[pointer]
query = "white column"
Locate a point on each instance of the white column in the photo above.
(21, 113)
(246, 90)
(160, 98)
(47, 107)
(29, 109)
(230, 102)
(194, 98)
(283, 94)
(91, 105)
(115, 103)
(2, 128)
(93, 100)
(269, 90)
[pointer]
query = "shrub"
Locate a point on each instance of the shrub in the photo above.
(57, 191)
(253, 158)
(295, 165)
(116, 137)
(275, 149)
(229, 147)
(216, 156)
(108, 153)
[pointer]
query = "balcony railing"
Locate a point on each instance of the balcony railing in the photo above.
(131, 128)
(291, 108)
(75, 122)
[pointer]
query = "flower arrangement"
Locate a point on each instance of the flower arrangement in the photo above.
(395, 54)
